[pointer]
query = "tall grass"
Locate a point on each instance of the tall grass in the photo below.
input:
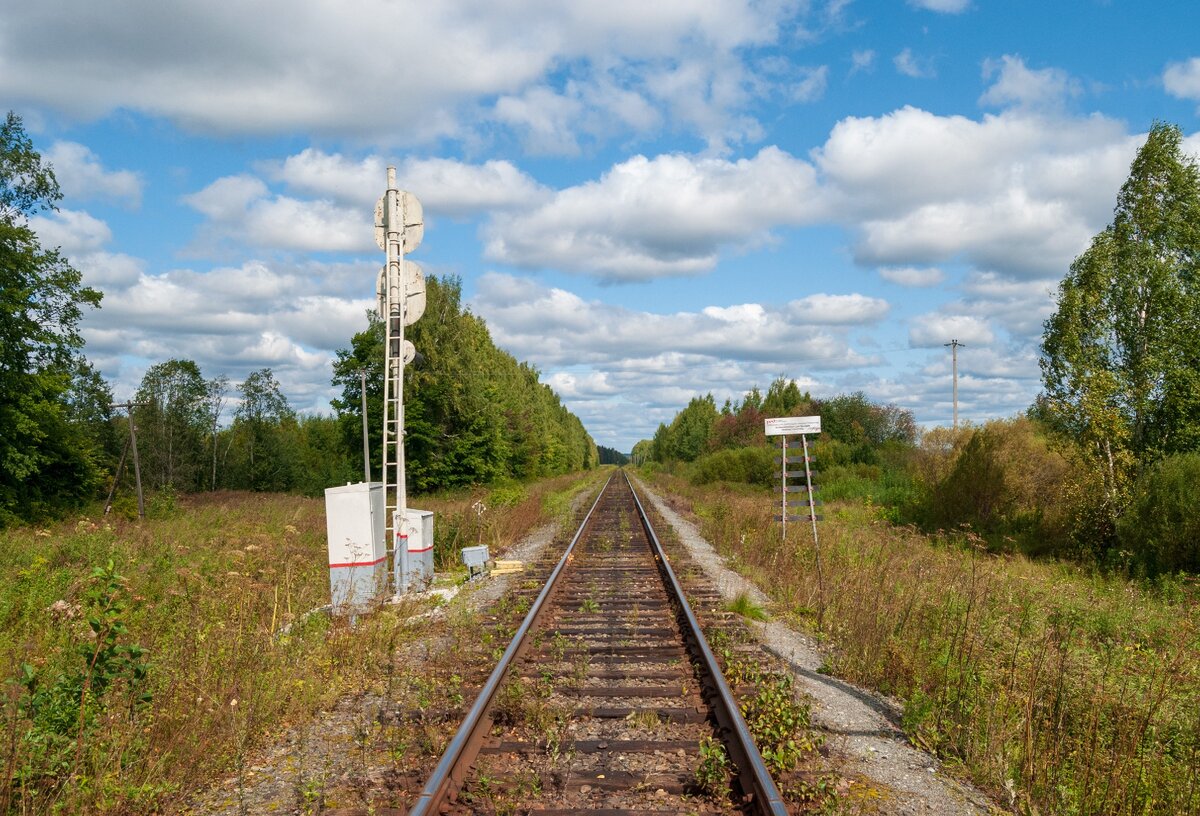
(509, 512)
(1073, 692)
(216, 592)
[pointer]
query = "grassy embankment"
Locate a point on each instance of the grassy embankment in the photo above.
(205, 586)
(1061, 690)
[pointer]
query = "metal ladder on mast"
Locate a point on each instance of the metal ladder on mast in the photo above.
(399, 226)
(393, 414)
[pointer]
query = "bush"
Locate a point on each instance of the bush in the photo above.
(938, 450)
(748, 465)
(828, 452)
(847, 481)
(1004, 479)
(1161, 526)
(507, 494)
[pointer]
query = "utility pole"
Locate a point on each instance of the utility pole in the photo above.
(216, 395)
(112, 491)
(137, 467)
(362, 385)
(954, 344)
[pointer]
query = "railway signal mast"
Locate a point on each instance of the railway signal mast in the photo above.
(399, 227)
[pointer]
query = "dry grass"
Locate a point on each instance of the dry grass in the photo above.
(511, 512)
(1065, 692)
(216, 589)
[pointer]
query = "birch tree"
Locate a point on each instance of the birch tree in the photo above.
(1121, 354)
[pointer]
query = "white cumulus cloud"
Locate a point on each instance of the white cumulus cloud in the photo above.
(399, 71)
(231, 320)
(81, 175)
(912, 276)
(444, 186)
(862, 60)
(810, 84)
(942, 6)
(911, 65)
(668, 215)
(936, 329)
(74, 231)
(552, 326)
(1018, 192)
(242, 211)
(1017, 84)
(1182, 79)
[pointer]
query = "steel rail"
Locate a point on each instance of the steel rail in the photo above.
(752, 771)
(462, 750)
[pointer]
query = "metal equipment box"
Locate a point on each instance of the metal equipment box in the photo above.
(475, 559)
(414, 550)
(354, 528)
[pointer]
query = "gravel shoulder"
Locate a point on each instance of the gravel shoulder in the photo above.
(863, 727)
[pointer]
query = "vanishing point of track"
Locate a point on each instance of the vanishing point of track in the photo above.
(606, 694)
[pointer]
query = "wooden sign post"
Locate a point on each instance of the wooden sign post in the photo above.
(783, 427)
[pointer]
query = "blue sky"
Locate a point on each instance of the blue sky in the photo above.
(646, 200)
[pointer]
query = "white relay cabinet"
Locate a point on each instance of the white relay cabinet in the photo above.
(354, 524)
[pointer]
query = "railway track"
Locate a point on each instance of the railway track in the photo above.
(608, 699)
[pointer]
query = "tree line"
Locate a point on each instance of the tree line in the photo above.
(1103, 467)
(730, 443)
(474, 414)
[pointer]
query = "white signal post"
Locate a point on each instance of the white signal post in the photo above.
(395, 323)
(375, 544)
(399, 227)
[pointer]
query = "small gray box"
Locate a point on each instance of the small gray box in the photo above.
(475, 558)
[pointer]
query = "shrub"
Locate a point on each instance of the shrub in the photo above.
(507, 494)
(779, 723)
(855, 481)
(63, 708)
(747, 465)
(1005, 478)
(828, 452)
(1161, 526)
(934, 457)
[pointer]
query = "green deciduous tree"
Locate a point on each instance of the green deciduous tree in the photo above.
(1121, 354)
(473, 414)
(1162, 526)
(262, 459)
(689, 432)
(784, 398)
(852, 418)
(173, 421)
(46, 458)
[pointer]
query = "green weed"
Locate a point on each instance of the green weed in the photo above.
(747, 608)
(712, 774)
(780, 724)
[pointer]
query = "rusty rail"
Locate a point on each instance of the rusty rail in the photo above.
(760, 795)
(462, 750)
(755, 778)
